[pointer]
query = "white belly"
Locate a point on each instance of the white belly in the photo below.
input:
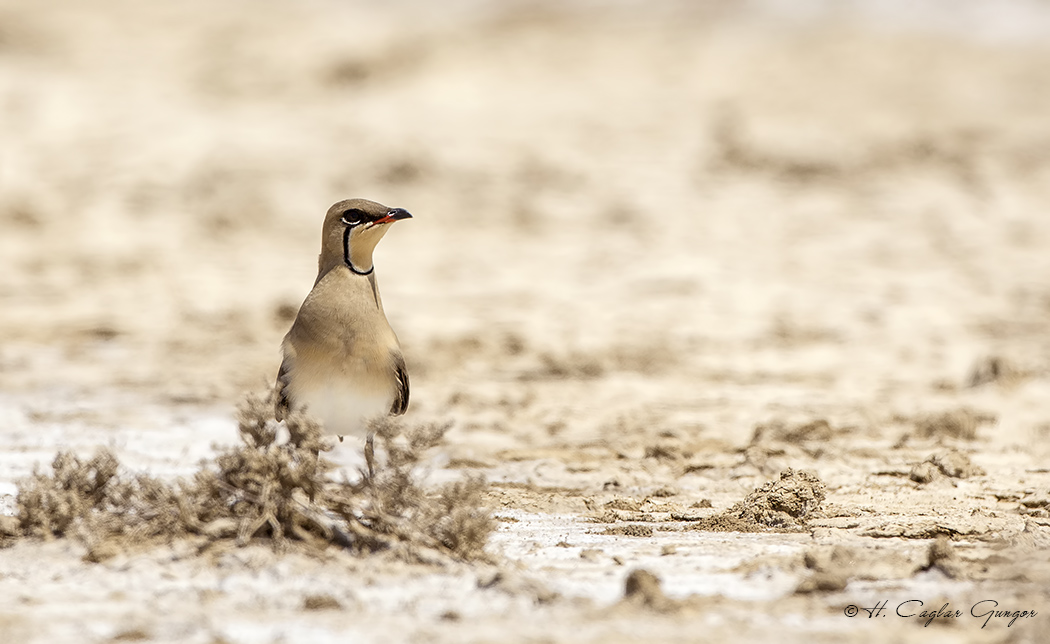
(344, 411)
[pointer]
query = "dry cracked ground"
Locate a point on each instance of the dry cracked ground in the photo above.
(742, 312)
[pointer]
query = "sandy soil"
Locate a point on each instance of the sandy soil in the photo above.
(658, 256)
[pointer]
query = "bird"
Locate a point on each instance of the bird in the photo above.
(342, 362)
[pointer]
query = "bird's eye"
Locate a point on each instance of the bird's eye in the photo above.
(352, 217)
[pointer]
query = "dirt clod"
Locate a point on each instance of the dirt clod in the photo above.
(955, 464)
(321, 602)
(642, 588)
(823, 582)
(664, 492)
(784, 504)
(942, 556)
(951, 463)
(630, 530)
(993, 369)
(624, 504)
(925, 472)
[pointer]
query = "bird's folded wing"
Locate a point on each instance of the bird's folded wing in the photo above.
(281, 404)
(401, 377)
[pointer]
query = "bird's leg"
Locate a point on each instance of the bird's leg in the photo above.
(370, 456)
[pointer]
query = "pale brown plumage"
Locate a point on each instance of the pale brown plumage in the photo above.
(342, 361)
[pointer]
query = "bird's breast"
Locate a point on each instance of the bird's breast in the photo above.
(341, 370)
(343, 407)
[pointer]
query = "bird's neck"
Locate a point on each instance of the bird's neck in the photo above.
(344, 280)
(356, 255)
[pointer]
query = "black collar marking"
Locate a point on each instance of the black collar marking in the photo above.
(346, 254)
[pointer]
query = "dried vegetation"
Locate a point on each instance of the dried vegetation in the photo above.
(261, 489)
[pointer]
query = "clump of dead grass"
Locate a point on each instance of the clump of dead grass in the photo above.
(90, 500)
(389, 509)
(261, 489)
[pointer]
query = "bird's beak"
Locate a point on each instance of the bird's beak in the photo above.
(392, 216)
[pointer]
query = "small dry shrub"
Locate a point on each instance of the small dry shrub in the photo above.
(89, 499)
(50, 505)
(457, 520)
(389, 507)
(262, 489)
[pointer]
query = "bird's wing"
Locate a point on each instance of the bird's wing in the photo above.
(281, 404)
(401, 377)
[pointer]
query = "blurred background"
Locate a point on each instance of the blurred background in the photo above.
(680, 215)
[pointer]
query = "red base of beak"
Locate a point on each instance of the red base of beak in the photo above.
(392, 216)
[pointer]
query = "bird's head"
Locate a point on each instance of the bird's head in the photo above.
(352, 228)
